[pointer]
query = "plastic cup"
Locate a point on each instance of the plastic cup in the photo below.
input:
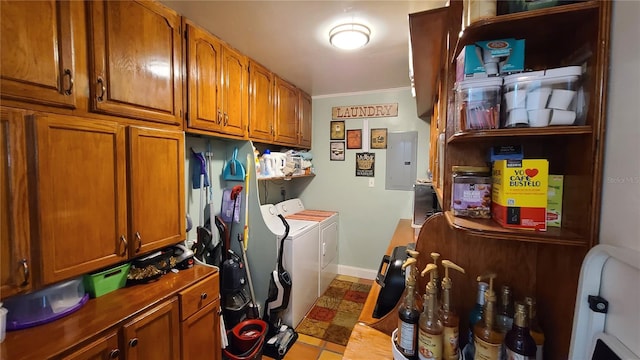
(539, 117)
(517, 117)
(491, 68)
(561, 99)
(562, 117)
(537, 99)
(3, 323)
(515, 99)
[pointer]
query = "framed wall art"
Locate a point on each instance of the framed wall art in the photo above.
(337, 130)
(337, 151)
(379, 138)
(365, 164)
(354, 139)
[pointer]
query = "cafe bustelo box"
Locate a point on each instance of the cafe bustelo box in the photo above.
(519, 193)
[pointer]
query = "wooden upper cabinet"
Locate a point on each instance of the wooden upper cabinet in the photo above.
(235, 91)
(305, 112)
(261, 101)
(15, 262)
(155, 334)
(203, 64)
(156, 185)
(36, 61)
(135, 60)
(217, 83)
(286, 112)
(80, 191)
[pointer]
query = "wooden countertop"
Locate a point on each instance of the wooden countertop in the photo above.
(96, 316)
(372, 336)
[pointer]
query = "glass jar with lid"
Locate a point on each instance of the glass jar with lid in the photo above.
(471, 192)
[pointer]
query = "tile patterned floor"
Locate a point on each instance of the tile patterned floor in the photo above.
(310, 348)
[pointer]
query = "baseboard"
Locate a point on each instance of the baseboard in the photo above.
(357, 272)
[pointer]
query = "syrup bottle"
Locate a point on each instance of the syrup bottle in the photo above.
(487, 337)
(431, 329)
(474, 317)
(408, 314)
(450, 319)
(534, 327)
(505, 310)
(518, 341)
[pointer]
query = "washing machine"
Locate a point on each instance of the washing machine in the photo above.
(328, 221)
(300, 258)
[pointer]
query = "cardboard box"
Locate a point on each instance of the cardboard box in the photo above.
(504, 56)
(519, 193)
(554, 200)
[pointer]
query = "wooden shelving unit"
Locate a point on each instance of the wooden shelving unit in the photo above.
(519, 132)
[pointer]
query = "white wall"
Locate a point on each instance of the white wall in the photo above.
(620, 217)
(368, 216)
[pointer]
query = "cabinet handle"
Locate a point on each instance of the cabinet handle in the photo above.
(25, 272)
(69, 90)
(123, 240)
(133, 342)
(138, 241)
(219, 116)
(203, 296)
(114, 354)
(102, 87)
(226, 119)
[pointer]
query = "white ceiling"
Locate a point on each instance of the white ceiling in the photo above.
(291, 39)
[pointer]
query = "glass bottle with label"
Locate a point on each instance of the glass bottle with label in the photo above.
(431, 329)
(534, 327)
(408, 314)
(474, 317)
(505, 310)
(487, 337)
(450, 319)
(518, 341)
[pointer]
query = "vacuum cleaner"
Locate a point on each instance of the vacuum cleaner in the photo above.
(280, 337)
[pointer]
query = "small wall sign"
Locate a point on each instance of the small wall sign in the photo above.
(364, 111)
(337, 130)
(365, 164)
(337, 151)
(354, 139)
(379, 138)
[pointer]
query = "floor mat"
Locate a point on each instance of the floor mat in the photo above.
(336, 312)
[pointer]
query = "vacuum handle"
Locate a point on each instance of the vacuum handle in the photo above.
(380, 277)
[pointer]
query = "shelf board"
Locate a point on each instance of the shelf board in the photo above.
(438, 191)
(285, 177)
(490, 229)
(498, 133)
(502, 25)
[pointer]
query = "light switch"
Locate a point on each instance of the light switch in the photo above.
(372, 182)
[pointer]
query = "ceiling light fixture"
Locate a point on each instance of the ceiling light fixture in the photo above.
(349, 36)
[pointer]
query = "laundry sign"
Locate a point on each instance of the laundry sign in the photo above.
(364, 111)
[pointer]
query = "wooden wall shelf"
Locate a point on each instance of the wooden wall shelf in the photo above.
(525, 132)
(490, 229)
(286, 177)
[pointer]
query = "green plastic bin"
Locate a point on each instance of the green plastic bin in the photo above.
(106, 281)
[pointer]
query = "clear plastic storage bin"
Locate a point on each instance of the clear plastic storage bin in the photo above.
(478, 104)
(543, 98)
(45, 305)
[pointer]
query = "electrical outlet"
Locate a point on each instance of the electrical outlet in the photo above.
(372, 182)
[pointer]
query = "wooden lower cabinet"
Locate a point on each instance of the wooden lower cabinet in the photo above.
(153, 335)
(105, 347)
(201, 334)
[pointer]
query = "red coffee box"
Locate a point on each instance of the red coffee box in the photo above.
(519, 193)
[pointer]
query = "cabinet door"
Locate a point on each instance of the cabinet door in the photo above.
(105, 347)
(155, 334)
(286, 114)
(135, 60)
(156, 183)
(304, 139)
(203, 78)
(14, 211)
(201, 334)
(80, 182)
(261, 102)
(36, 63)
(235, 91)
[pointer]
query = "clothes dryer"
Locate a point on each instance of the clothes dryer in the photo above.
(328, 221)
(300, 259)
